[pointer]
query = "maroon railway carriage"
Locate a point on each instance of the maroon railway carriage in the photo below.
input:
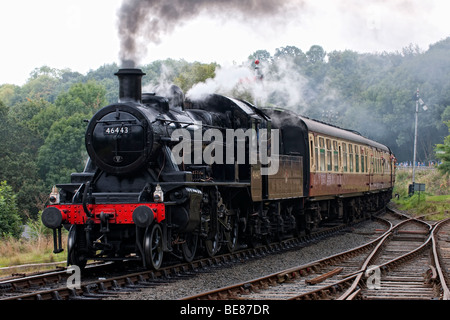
(346, 174)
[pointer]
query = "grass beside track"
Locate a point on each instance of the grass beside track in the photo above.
(14, 252)
(435, 201)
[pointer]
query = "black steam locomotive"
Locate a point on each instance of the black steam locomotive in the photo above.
(170, 176)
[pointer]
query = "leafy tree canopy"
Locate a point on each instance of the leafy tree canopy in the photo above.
(9, 218)
(443, 153)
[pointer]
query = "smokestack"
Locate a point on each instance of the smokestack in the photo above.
(130, 84)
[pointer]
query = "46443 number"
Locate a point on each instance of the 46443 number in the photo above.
(117, 130)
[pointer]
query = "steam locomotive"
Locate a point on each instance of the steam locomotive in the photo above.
(168, 176)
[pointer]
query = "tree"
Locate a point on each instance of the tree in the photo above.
(445, 116)
(261, 55)
(195, 73)
(290, 51)
(443, 153)
(63, 151)
(8, 92)
(9, 217)
(315, 54)
(316, 67)
(344, 70)
(22, 174)
(18, 150)
(41, 87)
(4, 110)
(82, 98)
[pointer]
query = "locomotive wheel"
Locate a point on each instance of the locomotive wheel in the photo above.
(189, 247)
(212, 245)
(74, 256)
(231, 233)
(211, 225)
(153, 246)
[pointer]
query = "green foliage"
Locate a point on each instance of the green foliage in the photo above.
(34, 156)
(261, 55)
(8, 92)
(195, 73)
(435, 207)
(443, 153)
(315, 54)
(435, 201)
(436, 183)
(63, 151)
(10, 224)
(37, 230)
(85, 98)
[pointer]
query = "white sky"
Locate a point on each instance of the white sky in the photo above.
(82, 35)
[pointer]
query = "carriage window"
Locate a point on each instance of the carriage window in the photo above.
(322, 154)
(375, 169)
(344, 156)
(335, 156)
(350, 153)
(313, 149)
(329, 157)
(316, 154)
(386, 163)
(377, 161)
(363, 159)
(372, 161)
(357, 158)
(366, 164)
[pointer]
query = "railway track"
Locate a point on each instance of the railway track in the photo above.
(289, 283)
(337, 277)
(403, 262)
(396, 270)
(419, 273)
(54, 285)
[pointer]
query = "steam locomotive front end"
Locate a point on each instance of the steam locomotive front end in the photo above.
(119, 138)
(110, 206)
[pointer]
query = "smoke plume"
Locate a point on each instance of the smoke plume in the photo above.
(146, 21)
(282, 84)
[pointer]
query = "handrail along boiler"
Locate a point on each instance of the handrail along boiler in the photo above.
(133, 200)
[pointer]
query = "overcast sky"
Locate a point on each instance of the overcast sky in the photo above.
(83, 34)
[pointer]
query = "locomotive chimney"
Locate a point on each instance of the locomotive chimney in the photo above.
(130, 84)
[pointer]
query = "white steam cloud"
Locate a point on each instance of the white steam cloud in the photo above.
(281, 82)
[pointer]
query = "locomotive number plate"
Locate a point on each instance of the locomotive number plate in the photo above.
(117, 130)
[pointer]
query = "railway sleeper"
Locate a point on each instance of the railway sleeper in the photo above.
(75, 296)
(92, 291)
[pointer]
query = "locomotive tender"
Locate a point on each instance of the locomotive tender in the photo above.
(144, 194)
